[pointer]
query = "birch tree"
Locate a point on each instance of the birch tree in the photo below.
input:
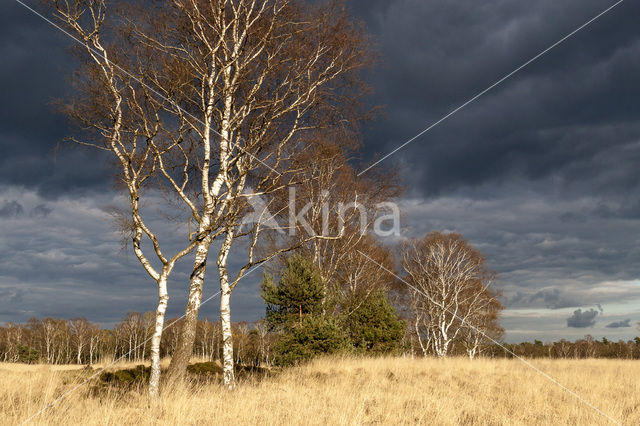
(96, 336)
(210, 101)
(120, 116)
(260, 77)
(486, 330)
(450, 290)
(81, 333)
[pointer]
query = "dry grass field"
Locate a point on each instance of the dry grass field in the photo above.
(347, 392)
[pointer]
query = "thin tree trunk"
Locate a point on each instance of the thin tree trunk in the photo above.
(417, 329)
(225, 313)
(144, 342)
(187, 335)
(227, 337)
(163, 299)
(91, 351)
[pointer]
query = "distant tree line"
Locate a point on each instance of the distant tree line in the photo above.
(78, 341)
(587, 347)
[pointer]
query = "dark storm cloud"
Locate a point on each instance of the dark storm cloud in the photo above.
(581, 319)
(34, 72)
(552, 298)
(559, 116)
(619, 324)
(541, 261)
(41, 210)
(11, 209)
(540, 173)
(556, 117)
(68, 265)
(11, 295)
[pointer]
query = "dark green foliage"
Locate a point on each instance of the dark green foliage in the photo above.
(212, 372)
(127, 377)
(298, 293)
(294, 308)
(251, 372)
(27, 354)
(316, 335)
(204, 368)
(373, 324)
(200, 372)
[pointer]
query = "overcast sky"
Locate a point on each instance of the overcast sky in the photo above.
(541, 173)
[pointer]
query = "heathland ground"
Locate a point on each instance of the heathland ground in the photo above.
(345, 391)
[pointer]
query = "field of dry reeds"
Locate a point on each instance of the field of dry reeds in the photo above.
(343, 391)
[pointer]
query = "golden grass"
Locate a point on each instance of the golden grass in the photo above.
(349, 392)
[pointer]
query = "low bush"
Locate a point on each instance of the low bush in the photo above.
(127, 377)
(315, 336)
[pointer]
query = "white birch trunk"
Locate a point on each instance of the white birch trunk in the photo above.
(472, 352)
(225, 313)
(163, 299)
(227, 337)
(184, 349)
(417, 329)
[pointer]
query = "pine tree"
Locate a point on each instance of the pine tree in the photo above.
(316, 335)
(298, 294)
(373, 324)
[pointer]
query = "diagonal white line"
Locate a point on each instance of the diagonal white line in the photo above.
(572, 33)
(154, 91)
(509, 351)
(93, 376)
